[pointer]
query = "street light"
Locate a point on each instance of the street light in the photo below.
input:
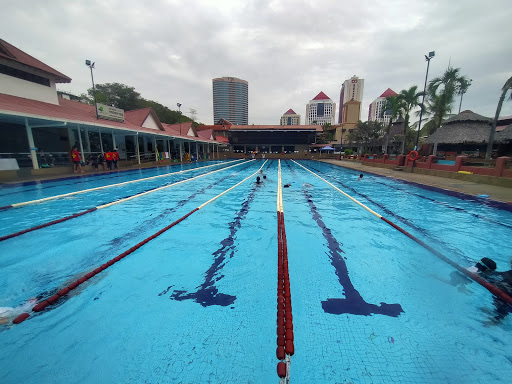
(179, 117)
(427, 58)
(91, 66)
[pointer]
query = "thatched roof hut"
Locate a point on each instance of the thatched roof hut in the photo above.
(466, 127)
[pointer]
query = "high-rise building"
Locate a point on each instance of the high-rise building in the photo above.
(376, 111)
(231, 100)
(290, 118)
(351, 90)
(320, 110)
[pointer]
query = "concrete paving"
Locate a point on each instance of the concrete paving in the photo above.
(497, 193)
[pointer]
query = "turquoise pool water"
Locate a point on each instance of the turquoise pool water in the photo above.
(198, 303)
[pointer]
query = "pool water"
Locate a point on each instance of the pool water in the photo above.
(198, 303)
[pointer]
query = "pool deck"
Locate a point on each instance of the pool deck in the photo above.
(498, 193)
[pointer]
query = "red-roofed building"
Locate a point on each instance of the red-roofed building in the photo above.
(290, 118)
(38, 128)
(376, 110)
(320, 110)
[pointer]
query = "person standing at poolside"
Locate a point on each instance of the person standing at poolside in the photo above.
(115, 157)
(75, 158)
(108, 159)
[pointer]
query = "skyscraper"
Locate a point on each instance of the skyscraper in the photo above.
(290, 118)
(351, 90)
(321, 109)
(376, 112)
(231, 100)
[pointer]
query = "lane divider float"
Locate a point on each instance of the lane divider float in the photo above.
(15, 234)
(43, 200)
(64, 291)
(285, 344)
(490, 287)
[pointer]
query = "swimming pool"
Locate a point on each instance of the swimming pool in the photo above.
(197, 304)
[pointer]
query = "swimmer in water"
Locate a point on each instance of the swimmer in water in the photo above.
(7, 314)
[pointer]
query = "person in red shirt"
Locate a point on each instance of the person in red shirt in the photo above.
(115, 158)
(108, 158)
(75, 158)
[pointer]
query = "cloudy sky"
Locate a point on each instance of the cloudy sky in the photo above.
(288, 50)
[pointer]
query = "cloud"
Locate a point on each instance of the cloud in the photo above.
(288, 51)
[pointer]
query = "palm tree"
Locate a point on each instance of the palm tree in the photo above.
(392, 108)
(504, 90)
(462, 88)
(439, 104)
(409, 101)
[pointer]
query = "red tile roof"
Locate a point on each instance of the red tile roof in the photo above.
(137, 116)
(75, 111)
(290, 112)
(222, 139)
(10, 52)
(206, 133)
(388, 93)
(322, 96)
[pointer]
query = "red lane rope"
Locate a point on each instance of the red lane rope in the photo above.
(63, 292)
(490, 287)
(15, 234)
(285, 344)
(6, 207)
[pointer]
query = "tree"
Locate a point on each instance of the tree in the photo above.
(393, 109)
(116, 95)
(462, 88)
(365, 134)
(125, 97)
(409, 101)
(504, 90)
(441, 96)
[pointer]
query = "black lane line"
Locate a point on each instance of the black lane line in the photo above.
(423, 231)
(440, 202)
(86, 181)
(207, 293)
(5, 237)
(460, 195)
(118, 241)
(353, 302)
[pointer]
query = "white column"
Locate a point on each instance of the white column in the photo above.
(87, 141)
(197, 151)
(33, 154)
(155, 149)
(113, 140)
(434, 152)
(101, 141)
(138, 149)
(181, 151)
(81, 144)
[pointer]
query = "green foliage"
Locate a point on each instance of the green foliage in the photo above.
(506, 87)
(366, 134)
(125, 97)
(393, 107)
(441, 94)
(349, 152)
(409, 100)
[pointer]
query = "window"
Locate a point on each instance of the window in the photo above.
(9, 71)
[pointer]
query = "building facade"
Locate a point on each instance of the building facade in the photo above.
(290, 118)
(376, 110)
(320, 110)
(231, 100)
(351, 90)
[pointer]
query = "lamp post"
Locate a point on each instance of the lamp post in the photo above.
(427, 58)
(179, 117)
(91, 66)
